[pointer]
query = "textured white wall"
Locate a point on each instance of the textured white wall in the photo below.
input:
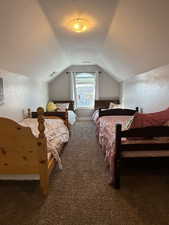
(108, 87)
(150, 90)
(21, 93)
(60, 88)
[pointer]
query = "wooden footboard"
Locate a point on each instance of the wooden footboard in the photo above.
(52, 115)
(19, 149)
(144, 144)
(21, 152)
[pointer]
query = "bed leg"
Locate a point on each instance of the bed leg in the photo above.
(117, 157)
(43, 161)
(117, 174)
(44, 183)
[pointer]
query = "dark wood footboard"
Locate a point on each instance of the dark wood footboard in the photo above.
(147, 133)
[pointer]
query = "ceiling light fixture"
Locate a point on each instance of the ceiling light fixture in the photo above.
(79, 25)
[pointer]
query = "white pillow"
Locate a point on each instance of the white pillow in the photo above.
(114, 106)
(62, 106)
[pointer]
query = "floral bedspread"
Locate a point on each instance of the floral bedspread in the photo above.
(105, 129)
(55, 131)
(95, 115)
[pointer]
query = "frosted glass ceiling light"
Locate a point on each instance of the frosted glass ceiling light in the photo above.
(79, 25)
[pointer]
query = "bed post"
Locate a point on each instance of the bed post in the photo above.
(137, 109)
(99, 111)
(66, 118)
(43, 161)
(116, 175)
(29, 113)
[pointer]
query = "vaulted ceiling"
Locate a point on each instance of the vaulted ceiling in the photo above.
(127, 37)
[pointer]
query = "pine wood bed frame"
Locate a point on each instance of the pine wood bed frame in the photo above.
(23, 153)
(148, 133)
(52, 115)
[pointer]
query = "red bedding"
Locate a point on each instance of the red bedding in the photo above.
(150, 119)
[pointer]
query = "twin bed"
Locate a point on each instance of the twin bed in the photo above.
(118, 142)
(71, 115)
(32, 147)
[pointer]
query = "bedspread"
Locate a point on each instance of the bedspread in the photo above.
(55, 131)
(95, 115)
(106, 126)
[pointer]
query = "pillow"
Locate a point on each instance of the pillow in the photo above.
(150, 119)
(62, 106)
(51, 107)
(114, 106)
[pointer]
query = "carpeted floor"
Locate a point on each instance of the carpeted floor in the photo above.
(80, 195)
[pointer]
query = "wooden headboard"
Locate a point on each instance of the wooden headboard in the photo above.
(118, 112)
(103, 104)
(71, 103)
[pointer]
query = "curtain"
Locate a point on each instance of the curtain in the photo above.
(97, 86)
(72, 88)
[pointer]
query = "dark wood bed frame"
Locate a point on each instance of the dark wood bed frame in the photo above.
(117, 112)
(120, 147)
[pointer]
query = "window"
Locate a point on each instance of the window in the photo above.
(85, 90)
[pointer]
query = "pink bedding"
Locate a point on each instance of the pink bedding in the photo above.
(95, 115)
(55, 131)
(106, 130)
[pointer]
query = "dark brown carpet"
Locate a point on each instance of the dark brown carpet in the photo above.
(80, 195)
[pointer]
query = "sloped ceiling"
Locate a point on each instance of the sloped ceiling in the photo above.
(128, 37)
(28, 44)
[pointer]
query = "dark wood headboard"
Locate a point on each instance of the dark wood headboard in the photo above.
(71, 103)
(118, 112)
(104, 104)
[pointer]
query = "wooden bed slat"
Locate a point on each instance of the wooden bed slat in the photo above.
(160, 131)
(144, 147)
